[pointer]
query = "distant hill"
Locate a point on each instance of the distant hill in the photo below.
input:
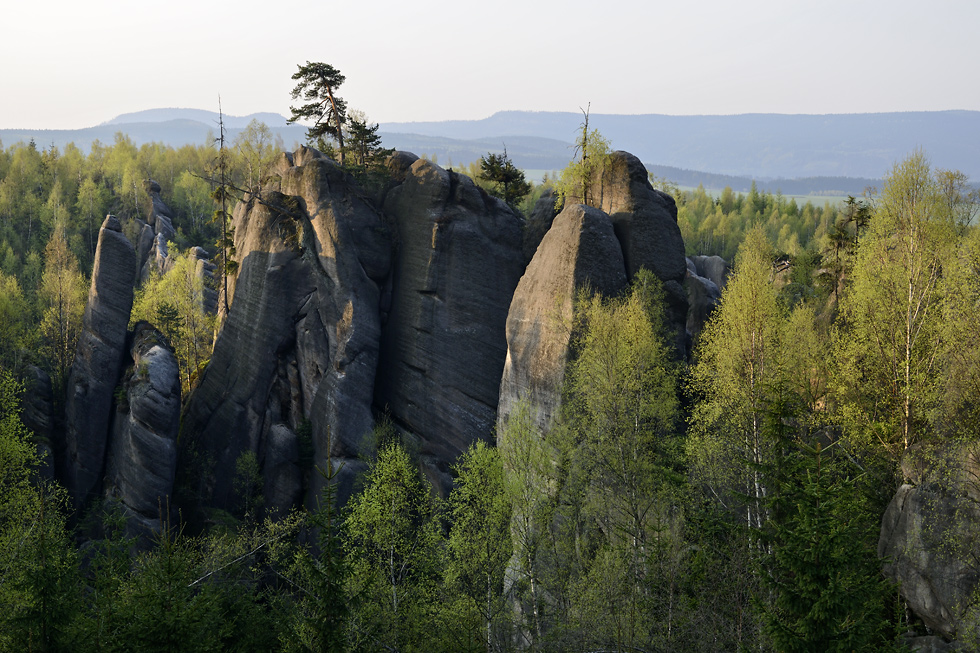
(797, 154)
(175, 127)
(763, 146)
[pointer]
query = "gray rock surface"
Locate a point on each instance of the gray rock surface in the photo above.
(703, 296)
(160, 219)
(283, 477)
(143, 443)
(538, 224)
(714, 268)
(459, 258)
(300, 341)
(38, 415)
(98, 361)
(929, 536)
(580, 249)
(645, 220)
(206, 271)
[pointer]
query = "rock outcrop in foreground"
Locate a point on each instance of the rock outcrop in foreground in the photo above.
(98, 361)
(929, 538)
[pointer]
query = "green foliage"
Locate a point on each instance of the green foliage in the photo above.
(505, 180)
(320, 617)
(718, 225)
(174, 302)
(479, 546)
(736, 372)
(316, 84)
(393, 545)
(581, 181)
(891, 317)
(828, 593)
(39, 580)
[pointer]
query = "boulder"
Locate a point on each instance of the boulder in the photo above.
(714, 268)
(98, 361)
(300, 341)
(142, 457)
(928, 538)
(579, 250)
(443, 345)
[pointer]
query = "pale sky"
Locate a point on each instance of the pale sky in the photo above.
(71, 64)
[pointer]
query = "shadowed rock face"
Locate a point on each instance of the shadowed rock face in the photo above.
(927, 534)
(143, 445)
(579, 250)
(98, 361)
(459, 258)
(300, 341)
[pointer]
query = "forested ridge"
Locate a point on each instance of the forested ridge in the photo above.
(732, 501)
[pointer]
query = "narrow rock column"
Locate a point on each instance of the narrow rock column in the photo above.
(98, 361)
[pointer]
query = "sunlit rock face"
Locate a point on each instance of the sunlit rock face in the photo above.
(645, 220)
(98, 361)
(457, 261)
(579, 250)
(297, 355)
(602, 250)
(142, 456)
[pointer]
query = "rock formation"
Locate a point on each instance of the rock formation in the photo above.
(703, 295)
(645, 220)
(601, 249)
(300, 342)
(579, 250)
(98, 360)
(459, 258)
(143, 443)
(929, 537)
(714, 268)
(538, 224)
(155, 234)
(38, 416)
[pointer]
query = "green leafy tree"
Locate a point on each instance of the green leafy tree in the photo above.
(737, 370)
(174, 302)
(62, 295)
(581, 181)
(39, 580)
(316, 84)
(256, 145)
(479, 544)
(14, 319)
(527, 468)
(622, 480)
(823, 570)
(890, 328)
(393, 542)
(320, 616)
(505, 179)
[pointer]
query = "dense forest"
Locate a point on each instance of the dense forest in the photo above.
(728, 502)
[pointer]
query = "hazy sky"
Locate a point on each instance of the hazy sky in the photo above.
(70, 64)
